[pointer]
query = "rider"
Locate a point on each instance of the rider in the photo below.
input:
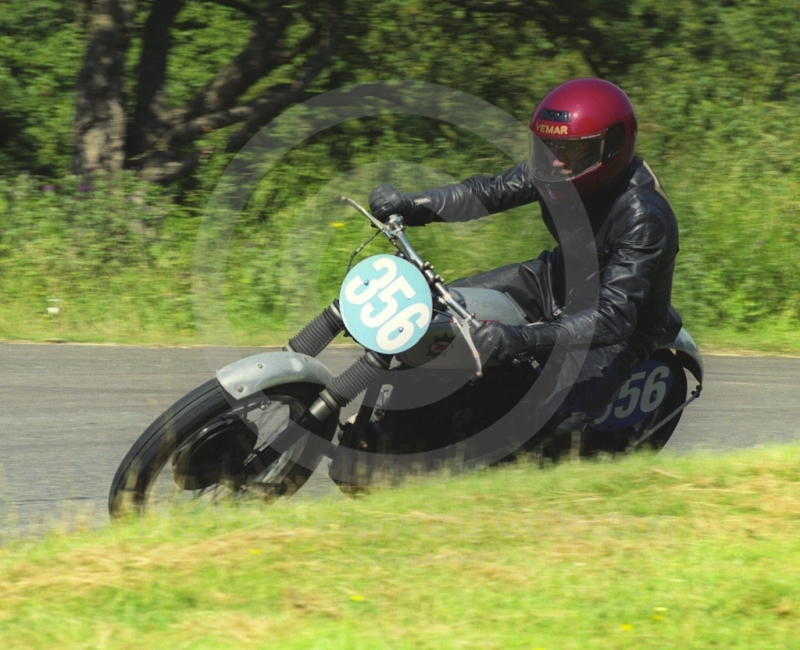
(582, 171)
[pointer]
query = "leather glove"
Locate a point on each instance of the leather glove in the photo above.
(385, 200)
(506, 342)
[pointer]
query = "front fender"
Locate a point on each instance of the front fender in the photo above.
(688, 354)
(261, 371)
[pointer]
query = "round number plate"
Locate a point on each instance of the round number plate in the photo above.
(386, 304)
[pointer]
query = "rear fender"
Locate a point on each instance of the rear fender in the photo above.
(254, 374)
(687, 353)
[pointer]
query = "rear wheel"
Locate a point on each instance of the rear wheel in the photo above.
(598, 441)
(204, 448)
(675, 397)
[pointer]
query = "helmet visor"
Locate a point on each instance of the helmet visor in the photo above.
(561, 160)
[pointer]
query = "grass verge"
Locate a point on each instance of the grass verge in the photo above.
(648, 552)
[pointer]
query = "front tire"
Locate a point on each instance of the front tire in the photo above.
(145, 477)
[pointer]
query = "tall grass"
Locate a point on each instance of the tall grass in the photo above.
(691, 552)
(108, 260)
(115, 257)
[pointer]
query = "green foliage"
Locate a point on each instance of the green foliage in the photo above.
(205, 37)
(41, 50)
(113, 257)
(715, 84)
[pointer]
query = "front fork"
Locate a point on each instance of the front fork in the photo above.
(317, 334)
(345, 387)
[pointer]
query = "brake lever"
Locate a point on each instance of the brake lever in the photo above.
(464, 327)
(375, 222)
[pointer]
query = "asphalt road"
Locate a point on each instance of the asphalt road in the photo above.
(69, 413)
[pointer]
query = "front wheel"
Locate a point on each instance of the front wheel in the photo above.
(203, 447)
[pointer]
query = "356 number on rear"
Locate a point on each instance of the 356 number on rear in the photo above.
(638, 397)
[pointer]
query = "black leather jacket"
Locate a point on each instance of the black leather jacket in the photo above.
(636, 237)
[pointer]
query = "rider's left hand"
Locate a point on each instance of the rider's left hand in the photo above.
(385, 200)
(506, 342)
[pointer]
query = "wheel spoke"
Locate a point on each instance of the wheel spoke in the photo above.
(270, 416)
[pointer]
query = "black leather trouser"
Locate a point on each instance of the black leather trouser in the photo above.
(530, 284)
(585, 389)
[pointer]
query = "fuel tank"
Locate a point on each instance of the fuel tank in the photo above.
(443, 345)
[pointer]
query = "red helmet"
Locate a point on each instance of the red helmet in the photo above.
(583, 131)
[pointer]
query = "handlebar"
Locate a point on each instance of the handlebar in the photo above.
(394, 229)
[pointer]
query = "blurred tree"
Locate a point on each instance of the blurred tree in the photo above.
(610, 35)
(162, 82)
(100, 118)
(289, 45)
(41, 45)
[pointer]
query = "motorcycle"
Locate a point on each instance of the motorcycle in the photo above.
(264, 424)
